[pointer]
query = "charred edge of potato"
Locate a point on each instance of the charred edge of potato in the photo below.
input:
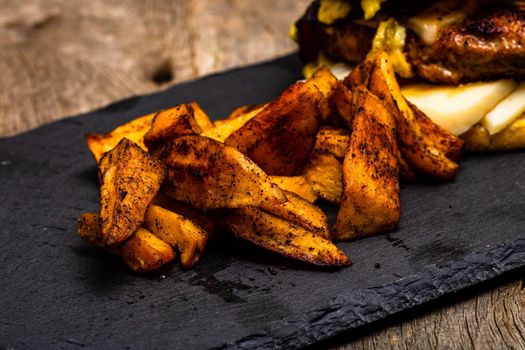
(208, 174)
(333, 141)
(134, 131)
(340, 102)
(171, 123)
(297, 185)
(285, 238)
(142, 252)
(415, 148)
(302, 213)
(324, 173)
(130, 178)
(280, 138)
(180, 232)
(371, 203)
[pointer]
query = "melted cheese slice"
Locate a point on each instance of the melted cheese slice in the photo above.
(458, 108)
(506, 112)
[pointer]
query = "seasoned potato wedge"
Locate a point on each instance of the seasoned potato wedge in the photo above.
(297, 185)
(208, 174)
(171, 123)
(129, 180)
(134, 131)
(281, 236)
(243, 110)
(302, 213)
(224, 128)
(142, 252)
(415, 147)
(280, 138)
(325, 174)
(341, 105)
(442, 139)
(360, 74)
(202, 119)
(180, 232)
(333, 141)
(478, 139)
(370, 203)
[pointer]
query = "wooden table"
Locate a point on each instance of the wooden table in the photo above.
(63, 57)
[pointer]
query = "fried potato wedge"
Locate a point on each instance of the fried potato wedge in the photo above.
(341, 105)
(297, 185)
(202, 119)
(478, 139)
(224, 128)
(281, 236)
(442, 139)
(243, 110)
(360, 74)
(333, 141)
(280, 138)
(180, 232)
(171, 123)
(208, 174)
(134, 131)
(325, 174)
(142, 252)
(370, 203)
(302, 213)
(415, 147)
(129, 180)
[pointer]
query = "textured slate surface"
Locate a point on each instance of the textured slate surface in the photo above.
(57, 291)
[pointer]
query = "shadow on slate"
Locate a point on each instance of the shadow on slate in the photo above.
(59, 292)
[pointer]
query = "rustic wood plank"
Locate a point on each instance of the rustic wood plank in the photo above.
(59, 58)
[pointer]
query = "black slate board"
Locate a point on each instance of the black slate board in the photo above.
(59, 292)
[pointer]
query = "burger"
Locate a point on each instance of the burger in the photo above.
(460, 62)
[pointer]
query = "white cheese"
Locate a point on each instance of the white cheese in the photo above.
(506, 112)
(458, 108)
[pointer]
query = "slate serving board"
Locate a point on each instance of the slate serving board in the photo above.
(57, 291)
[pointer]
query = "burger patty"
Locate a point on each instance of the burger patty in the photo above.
(487, 45)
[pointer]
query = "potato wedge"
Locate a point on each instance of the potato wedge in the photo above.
(302, 213)
(297, 185)
(442, 139)
(325, 174)
(333, 141)
(416, 149)
(169, 124)
(341, 105)
(202, 119)
(360, 74)
(280, 138)
(224, 128)
(129, 180)
(180, 232)
(208, 174)
(370, 203)
(243, 110)
(478, 139)
(142, 252)
(134, 131)
(281, 236)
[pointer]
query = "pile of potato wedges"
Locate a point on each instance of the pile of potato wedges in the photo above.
(172, 181)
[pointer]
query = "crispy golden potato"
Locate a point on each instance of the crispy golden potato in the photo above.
(280, 138)
(478, 139)
(281, 236)
(360, 74)
(415, 147)
(208, 174)
(243, 110)
(370, 203)
(341, 105)
(224, 128)
(297, 185)
(202, 119)
(129, 180)
(325, 174)
(171, 123)
(442, 139)
(302, 213)
(333, 141)
(180, 232)
(134, 131)
(142, 252)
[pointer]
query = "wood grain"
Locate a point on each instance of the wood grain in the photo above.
(60, 57)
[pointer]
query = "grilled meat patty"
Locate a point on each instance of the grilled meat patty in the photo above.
(486, 45)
